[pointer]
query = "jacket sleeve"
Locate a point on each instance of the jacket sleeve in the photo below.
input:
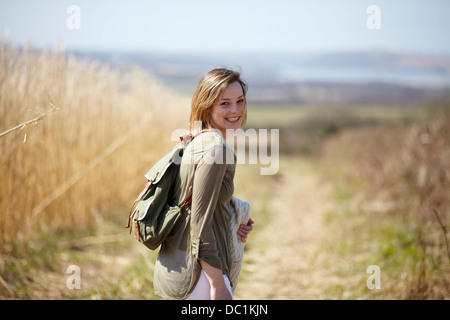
(208, 179)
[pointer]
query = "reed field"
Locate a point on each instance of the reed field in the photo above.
(357, 186)
(96, 131)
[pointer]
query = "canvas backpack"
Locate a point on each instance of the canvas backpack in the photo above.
(153, 213)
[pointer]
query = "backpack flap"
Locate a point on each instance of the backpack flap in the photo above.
(157, 171)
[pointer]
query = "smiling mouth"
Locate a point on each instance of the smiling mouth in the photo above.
(234, 119)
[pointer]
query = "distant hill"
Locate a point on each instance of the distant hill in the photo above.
(329, 78)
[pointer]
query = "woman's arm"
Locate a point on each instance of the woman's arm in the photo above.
(207, 183)
(205, 192)
(219, 290)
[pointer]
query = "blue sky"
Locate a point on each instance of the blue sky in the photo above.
(407, 26)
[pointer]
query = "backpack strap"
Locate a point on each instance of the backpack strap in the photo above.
(185, 140)
(186, 202)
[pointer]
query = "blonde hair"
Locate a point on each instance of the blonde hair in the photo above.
(209, 90)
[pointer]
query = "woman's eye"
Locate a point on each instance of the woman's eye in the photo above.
(227, 103)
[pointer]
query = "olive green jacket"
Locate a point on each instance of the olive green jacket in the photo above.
(207, 170)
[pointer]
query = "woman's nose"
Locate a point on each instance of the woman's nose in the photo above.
(235, 108)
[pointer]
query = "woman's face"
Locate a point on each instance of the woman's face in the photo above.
(229, 111)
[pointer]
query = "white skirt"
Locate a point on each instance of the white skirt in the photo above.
(202, 290)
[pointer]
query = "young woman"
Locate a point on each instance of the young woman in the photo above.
(195, 260)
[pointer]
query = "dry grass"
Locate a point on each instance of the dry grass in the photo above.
(404, 173)
(89, 153)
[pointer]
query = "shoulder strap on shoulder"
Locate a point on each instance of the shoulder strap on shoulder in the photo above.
(185, 142)
(187, 138)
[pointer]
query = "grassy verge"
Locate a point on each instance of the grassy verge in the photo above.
(360, 240)
(112, 265)
(383, 214)
(409, 268)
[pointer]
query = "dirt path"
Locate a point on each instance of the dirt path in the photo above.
(286, 261)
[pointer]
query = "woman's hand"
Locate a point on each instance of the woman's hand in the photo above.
(244, 230)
